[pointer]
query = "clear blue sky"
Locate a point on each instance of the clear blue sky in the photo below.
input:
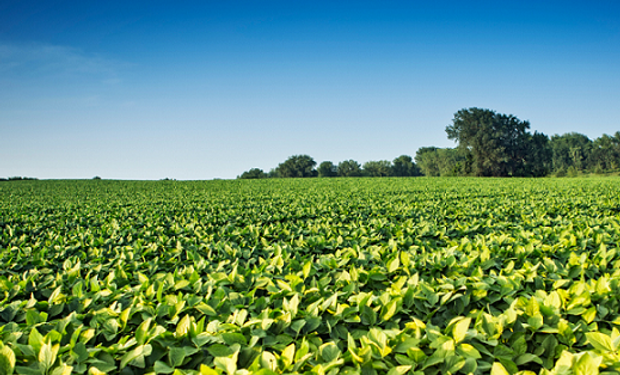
(208, 89)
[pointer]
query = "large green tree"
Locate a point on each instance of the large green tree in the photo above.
(253, 173)
(571, 151)
(605, 155)
(434, 161)
(538, 156)
(327, 169)
(349, 168)
(297, 166)
(496, 142)
(381, 168)
(403, 166)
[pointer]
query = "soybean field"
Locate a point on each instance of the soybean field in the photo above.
(321, 276)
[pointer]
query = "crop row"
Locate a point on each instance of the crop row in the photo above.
(394, 276)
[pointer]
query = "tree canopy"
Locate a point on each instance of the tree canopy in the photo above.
(327, 169)
(496, 141)
(403, 166)
(253, 173)
(349, 168)
(297, 166)
(488, 144)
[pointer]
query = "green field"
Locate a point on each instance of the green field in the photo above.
(324, 276)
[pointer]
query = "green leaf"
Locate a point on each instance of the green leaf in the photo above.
(7, 360)
(102, 366)
(468, 351)
(47, 355)
(32, 317)
(399, 370)
(176, 356)
(162, 368)
(588, 364)
(393, 264)
(526, 358)
(390, 309)
(292, 305)
(600, 341)
(137, 354)
(206, 370)
(470, 366)
(368, 315)
(268, 361)
(564, 364)
(63, 369)
(79, 352)
(535, 321)
(227, 364)
(35, 340)
(206, 309)
(499, 369)
(183, 327)
(218, 350)
(329, 352)
(231, 338)
(22, 370)
(288, 356)
(459, 330)
(142, 332)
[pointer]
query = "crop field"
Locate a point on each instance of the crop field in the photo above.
(317, 276)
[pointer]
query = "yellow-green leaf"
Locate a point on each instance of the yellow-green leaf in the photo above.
(7, 360)
(460, 329)
(499, 369)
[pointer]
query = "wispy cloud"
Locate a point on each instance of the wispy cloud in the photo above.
(45, 60)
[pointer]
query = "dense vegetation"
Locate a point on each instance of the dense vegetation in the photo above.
(322, 276)
(489, 144)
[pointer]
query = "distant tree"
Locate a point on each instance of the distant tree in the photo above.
(497, 142)
(297, 166)
(426, 159)
(327, 169)
(381, 168)
(570, 150)
(605, 153)
(253, 173)
(538, 156)
(96, 178)
(20, 178)
(349, 168)
(273, 173)
(434, 161)
(404, 166)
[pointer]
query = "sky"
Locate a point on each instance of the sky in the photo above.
(197, 90)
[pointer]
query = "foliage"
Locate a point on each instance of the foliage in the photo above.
(253, 173)
(537, 161)
(18, 178)
(403, 166)
(316, 276)
(349, 168)
(297, 166)
(381, 168)
(570, 150)
(327, 169)
(444, 162)
(497, 142)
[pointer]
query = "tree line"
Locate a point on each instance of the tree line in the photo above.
(493, 144)
(304, 166)
(17, 178)
(488, 144)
